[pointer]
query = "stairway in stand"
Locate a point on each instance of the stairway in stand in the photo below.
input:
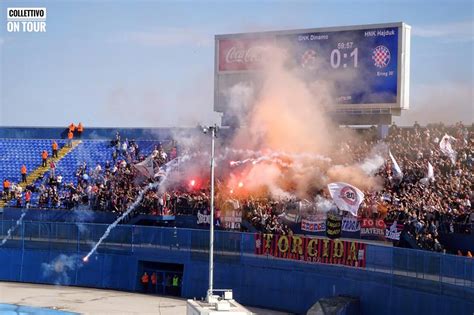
(34, 175)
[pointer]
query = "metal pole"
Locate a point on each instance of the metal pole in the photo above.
(211, 232)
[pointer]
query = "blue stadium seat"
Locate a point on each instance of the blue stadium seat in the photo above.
(16, 152)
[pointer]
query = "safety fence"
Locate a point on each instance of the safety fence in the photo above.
(80, 237)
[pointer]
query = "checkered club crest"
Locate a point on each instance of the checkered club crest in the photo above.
(381, 56)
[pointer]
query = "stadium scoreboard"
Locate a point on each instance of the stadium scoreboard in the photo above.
(366, 65)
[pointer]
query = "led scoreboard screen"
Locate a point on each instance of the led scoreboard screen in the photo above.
(366, 66)
(361, 64)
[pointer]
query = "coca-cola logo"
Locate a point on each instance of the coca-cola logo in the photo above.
(241, 55)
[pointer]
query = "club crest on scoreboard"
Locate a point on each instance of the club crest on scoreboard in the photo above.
(381, 56)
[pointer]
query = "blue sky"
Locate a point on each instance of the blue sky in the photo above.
(151, 63)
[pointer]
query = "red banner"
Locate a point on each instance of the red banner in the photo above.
(241, 54)
(374, 228)
(309, 249)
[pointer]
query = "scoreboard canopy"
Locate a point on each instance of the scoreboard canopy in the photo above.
(368, 65)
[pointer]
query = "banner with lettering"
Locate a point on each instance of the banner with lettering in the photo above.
(317, 250)
(350, 224)
(393, 231)
(205, 219)
(317, 224)
(372, 228)
(231, 214)
(334, 225)
(232, 219)
(313, 226)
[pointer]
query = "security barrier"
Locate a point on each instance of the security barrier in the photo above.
(400, 279)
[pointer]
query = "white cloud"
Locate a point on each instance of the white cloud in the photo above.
(167, 37)
(456, 31)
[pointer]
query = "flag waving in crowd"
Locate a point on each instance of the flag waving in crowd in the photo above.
(430, 174)
(447, 149)
(146, 167)
(397, 171)
(346, 197)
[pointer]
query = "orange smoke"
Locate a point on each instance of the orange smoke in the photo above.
(288, 115)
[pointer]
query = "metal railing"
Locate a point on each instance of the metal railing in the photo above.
(79, 237)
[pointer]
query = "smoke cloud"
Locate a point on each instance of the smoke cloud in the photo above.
(288, 115)
(82, 216)
(13, 228)
(60, 268)
(119, 219)
(286, 146)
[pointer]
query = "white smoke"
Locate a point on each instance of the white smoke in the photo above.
(375, 160)
(82, 216)
(240, 98)
(323, 204)
(13, 228)
(119, 219)
(60, 267)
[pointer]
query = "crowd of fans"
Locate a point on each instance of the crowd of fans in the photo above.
(116, 185)
(264, 214)
(112, 186)
(426, 204)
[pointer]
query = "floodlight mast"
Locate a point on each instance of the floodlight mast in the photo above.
(209, 298)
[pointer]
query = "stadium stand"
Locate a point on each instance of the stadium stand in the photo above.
(17, 152)
(419, 206)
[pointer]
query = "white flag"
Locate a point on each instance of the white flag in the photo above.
(346, 197)
(397, 171)
(430, 174)
(161, 172)
(446, 148)
(146, 167)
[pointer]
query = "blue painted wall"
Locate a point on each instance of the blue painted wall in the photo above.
(396, 281)
(45, 215)
(464, 242)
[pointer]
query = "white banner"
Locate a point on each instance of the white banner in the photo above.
(392, 232)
